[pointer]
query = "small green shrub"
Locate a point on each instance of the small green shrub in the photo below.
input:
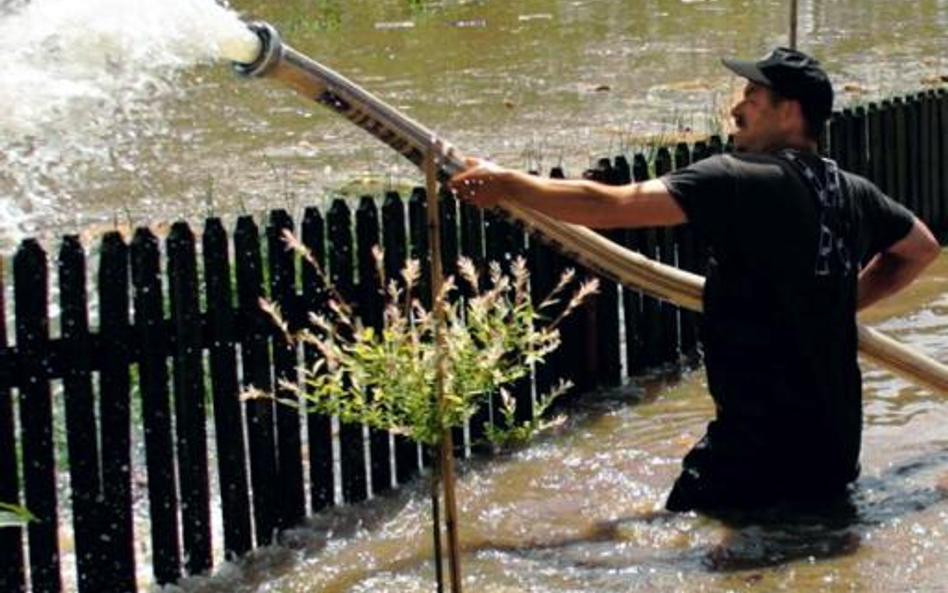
(389, 378)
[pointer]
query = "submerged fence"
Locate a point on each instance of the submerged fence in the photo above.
(180, 335)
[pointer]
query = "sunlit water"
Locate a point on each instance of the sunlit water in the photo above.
(579, 511)
(114, 112)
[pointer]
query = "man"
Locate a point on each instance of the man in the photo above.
(798, 247)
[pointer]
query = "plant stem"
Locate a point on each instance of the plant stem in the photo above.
(447, 446)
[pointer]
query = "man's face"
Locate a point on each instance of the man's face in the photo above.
(760, 122)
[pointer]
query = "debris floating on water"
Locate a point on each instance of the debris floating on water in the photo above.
(390, 25)
(469, 24)
(543, 16)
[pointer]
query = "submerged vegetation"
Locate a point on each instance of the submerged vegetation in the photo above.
(388, 377)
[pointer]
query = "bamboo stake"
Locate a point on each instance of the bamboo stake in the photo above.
(434, 484)
(793, 24)
(437, 302)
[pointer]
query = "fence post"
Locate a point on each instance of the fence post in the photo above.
(448, 208)
(687, 260)
(925, 157)
(190, 417)
(12, 569)
(394, 237)
(504, 243)
(370, 307)
(876, 165)
(36, 414)
(282, 263)
(902, 182)
(115, 412)
(319, 425)
(860, 141)
(255, 359)
(354, 482)
(849, 144)
(81, 424)
(914, 143)
(631, 299)
(156, 410)
(608, 370)
(650, 333)
(543, 278)
(472, 246)
(835, 148)
(228, 423)
(420, 250)
(666, 237)
(888, 159)
(942, 165)
(418, 244)
(934, 164)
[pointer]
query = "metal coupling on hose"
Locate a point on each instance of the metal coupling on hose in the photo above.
(271, 50)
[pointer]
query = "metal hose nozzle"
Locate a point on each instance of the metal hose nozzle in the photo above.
(271, 50)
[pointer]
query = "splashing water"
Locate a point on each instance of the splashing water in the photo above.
(82, 86)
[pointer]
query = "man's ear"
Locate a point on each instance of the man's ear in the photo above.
(791, 112)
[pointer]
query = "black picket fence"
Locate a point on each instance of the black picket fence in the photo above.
(180, 335)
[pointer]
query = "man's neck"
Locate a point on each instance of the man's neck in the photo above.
(801, 145)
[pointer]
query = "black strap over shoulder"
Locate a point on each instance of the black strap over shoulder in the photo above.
(836, 224)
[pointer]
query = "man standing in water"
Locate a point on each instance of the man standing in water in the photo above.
(798, 247)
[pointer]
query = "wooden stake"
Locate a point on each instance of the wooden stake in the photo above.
(793, 24)
(447, 445)
(435, 483)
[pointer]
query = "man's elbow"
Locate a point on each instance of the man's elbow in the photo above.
(928, 250)
(918, 249)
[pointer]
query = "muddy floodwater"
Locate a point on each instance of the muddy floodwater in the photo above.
(579, 510)
(106, 122)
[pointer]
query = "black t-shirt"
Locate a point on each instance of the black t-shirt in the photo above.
(779, 325)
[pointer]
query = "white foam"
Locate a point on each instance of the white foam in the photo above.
(77, 76)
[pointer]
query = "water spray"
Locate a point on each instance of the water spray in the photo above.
(604, 257)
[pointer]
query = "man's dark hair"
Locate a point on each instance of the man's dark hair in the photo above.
(813, 123)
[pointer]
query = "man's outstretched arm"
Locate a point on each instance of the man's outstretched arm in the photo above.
(894, 269)
(577, 201)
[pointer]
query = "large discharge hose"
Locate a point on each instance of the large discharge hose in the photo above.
(604, 257)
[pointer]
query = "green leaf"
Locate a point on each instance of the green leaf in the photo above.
(12, 515)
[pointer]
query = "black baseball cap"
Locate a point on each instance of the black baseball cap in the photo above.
(794, 75)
